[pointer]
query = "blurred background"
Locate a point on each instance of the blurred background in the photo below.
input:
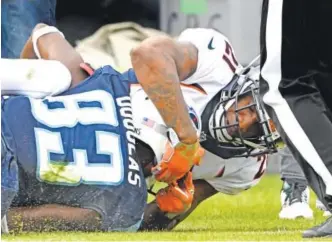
(237, 19)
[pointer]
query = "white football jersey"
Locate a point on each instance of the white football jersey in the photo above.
(230, 176)
(216, 65)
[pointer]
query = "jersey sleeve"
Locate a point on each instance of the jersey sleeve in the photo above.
(130, 76)
(216, 58)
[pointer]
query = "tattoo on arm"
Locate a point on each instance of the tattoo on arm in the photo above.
(186, 58)
(160, 68)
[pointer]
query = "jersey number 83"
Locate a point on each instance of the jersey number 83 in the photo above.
(58, 134)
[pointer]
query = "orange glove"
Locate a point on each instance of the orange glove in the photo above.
(177, 161)
(176, 199)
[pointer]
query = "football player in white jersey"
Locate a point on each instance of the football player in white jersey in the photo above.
(234, 122)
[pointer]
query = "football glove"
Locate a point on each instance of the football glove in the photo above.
(177, 197)
(177, 161)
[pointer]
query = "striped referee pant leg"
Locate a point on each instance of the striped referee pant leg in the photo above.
(296, 83)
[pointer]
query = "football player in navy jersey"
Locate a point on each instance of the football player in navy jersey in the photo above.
(76, 151)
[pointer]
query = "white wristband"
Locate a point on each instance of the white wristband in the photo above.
(40, 32)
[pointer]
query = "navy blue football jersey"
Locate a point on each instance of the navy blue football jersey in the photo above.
(78, 149)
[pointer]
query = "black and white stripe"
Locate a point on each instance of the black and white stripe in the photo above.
(288, 118)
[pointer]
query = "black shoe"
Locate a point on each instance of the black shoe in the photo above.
(322, 230)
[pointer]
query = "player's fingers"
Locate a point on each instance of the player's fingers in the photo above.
(178, 206)
(170, 206)
(164, 176)
(159, 170)
(181, 194)
(188, 182)
(169, 152)
(161, 166)
(169, 200)
(169, 203)
(189, 176)
(199, 154)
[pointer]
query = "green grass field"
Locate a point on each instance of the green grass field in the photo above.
(252, 215)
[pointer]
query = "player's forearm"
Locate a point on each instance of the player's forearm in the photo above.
(27, 51)
(53, 46)
(52, 218)
(158, 75)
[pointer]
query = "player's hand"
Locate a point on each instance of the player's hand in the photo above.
(177, 161)
(177, 197)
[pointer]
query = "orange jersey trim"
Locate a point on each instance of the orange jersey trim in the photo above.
(195, 87)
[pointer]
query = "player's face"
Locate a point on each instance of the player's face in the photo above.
(247, 118)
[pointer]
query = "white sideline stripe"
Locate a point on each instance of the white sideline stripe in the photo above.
(271, 72)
